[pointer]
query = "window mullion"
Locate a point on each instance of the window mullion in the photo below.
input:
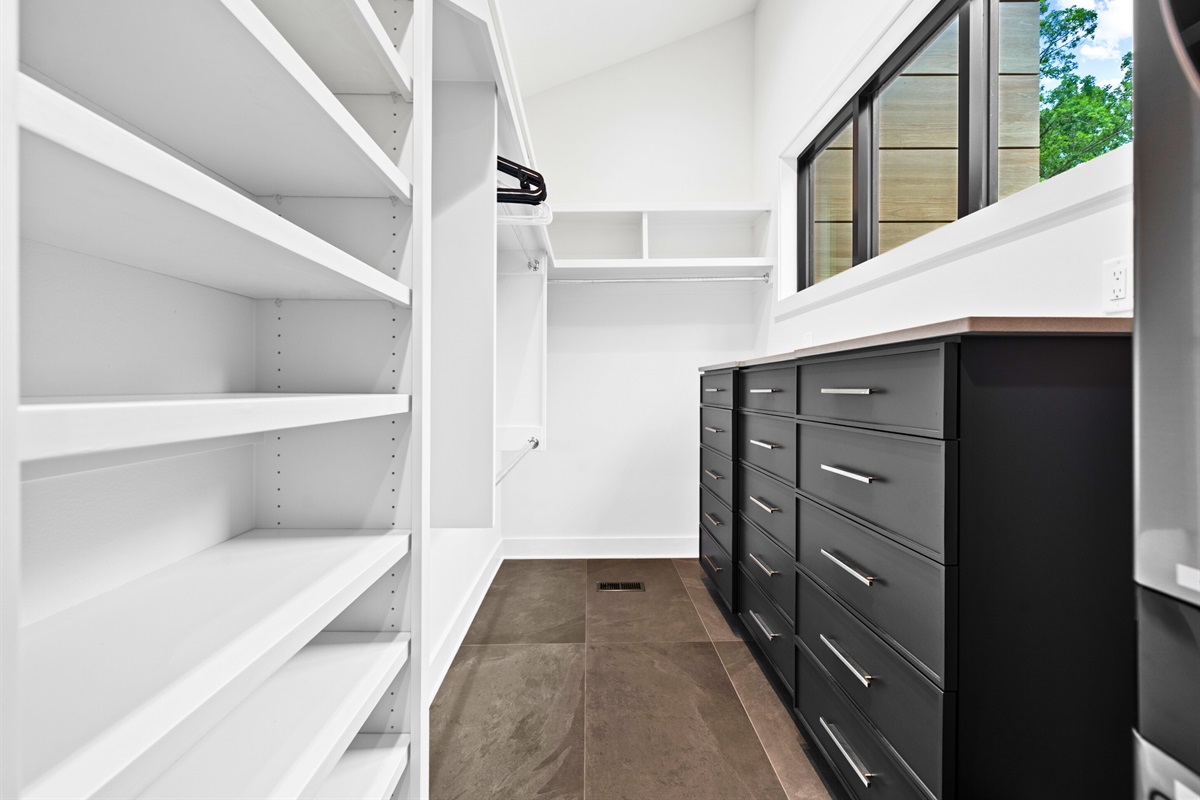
(976, 123)
(865, 160)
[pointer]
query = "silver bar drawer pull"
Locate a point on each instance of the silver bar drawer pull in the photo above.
(712, 563)
(854, 476)
(863, 677)
(713, 475)
(765, 391)
(767, 445)
(771, 573)
(851, 757)
(866, 580)
(762, 505)
(712, 389)
(771, 636)
(830, 390)
(711, 518)
(714, 430)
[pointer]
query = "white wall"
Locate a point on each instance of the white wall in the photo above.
(671, 125)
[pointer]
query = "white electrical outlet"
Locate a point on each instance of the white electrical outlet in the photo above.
(1116, 285)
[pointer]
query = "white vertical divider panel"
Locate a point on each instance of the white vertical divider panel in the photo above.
(520, 359)
(463, 346)
(10, 515)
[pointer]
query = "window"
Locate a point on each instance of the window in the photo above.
(985, 99)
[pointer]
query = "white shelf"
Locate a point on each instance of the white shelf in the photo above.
(287, 736)
(116, 688)
(89, 186)
(344, 42)
(53, 427)
(215, 81)
(593, 268)
(370, 768)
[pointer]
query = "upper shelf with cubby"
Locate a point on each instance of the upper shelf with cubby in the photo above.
(650, 241)
(216, 82)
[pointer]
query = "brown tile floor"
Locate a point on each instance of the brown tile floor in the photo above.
(562, 693)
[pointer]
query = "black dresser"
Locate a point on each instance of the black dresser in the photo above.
(928, 534)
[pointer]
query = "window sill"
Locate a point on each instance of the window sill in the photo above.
(1101, 183)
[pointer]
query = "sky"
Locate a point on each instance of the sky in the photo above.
(1114, 38)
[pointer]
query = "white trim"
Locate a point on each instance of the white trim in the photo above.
(1102, 183)
(604, 547)
(447, 648)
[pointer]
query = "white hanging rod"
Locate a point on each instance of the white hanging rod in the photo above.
(529, 447)
(730, 279)
(542, 216)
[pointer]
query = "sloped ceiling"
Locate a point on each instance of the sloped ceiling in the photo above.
(556, 41)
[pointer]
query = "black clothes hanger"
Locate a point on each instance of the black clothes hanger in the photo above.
(533, 185)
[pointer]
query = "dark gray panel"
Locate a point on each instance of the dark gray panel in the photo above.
(769, 443)
(717, 520)
(910, 712)
(716, 475)
(771, 390)
(716, 429)
(719, 566)
(908, 391)
(906, 601)
(1169, 676)
(771, 567)
(716, 388)
(824, 711)
(771, 630)
(768, 503)
(906, 495)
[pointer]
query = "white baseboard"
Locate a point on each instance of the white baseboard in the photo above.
(439, 664)
(597, 547)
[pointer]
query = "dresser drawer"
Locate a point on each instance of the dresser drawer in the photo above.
(772, 390)
(716, 475)
(911, 713)
(770, 505)
(906, 596)
(901, 484)
(851, 747)
(770, 629)
(717, 563)
(716, 519)
(910, 391)
(716, 388)
(770, 565)
(1169, 675)
(716, 429)
(769, 443)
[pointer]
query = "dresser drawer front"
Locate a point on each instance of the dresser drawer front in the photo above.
(898, 484)
(849, 744)
(716, 429)
(716, 519)
(772, 390)
(772, 631)
(771, 567)
(903, 705)
(717, 563)
(716, 475)
(716, 389)
(909, 391)
(1169, 675)
(770, 505)
(769, 443)
(906, 598)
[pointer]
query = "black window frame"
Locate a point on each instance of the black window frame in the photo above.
(978, 128)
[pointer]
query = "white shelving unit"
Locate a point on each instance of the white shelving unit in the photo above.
(211, 452)
(622, 241)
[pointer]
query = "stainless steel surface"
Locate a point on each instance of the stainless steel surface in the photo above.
(847, 474)
(764, 391)
(714, 430)
(851, 757)
(851, 665)
(827, 390)
(712, 519)
(1158, 776)
(713, 475)
(864, 579)
(766, 445)
(711, 563)
(713, 389)
(758, 562)
(763, 506)
(766, 631)
(529, 447)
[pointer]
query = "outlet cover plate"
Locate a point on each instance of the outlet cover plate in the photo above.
(1116, 285)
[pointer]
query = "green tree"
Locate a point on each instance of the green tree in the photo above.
(1080, 119)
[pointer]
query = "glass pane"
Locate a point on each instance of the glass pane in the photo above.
(918, 144)
(833, 206)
